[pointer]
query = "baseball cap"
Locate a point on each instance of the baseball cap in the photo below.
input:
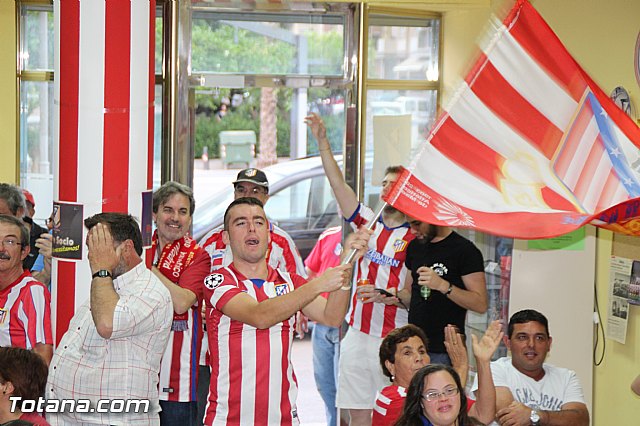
(254, 176)
(29, 197)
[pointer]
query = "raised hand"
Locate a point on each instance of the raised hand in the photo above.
(102, 254)
(484, 349)
(316, 125)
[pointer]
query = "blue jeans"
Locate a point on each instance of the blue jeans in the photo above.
(178, 413)
(439, 358)
(325, 341)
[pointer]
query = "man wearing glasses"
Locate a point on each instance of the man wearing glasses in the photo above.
(25, 312)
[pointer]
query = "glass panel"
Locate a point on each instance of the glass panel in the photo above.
(157, 136)
(158, 53)
(267, 44)
(37, 39)
(290, 204)
(420, 104)
(36, 144)
(239, 109)
(403, 50)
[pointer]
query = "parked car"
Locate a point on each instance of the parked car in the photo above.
(301, 202)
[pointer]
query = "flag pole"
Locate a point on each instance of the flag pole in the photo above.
(370, 225)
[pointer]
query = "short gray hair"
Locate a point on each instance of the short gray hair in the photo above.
(169, 189)
(12, 195)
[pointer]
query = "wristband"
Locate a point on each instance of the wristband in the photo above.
(449, 290)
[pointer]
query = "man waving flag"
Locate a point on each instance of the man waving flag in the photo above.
(530, 146)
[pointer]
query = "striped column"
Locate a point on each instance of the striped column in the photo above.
(104, 92)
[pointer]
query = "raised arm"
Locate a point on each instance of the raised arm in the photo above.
(346, 197)
(485, 407)
(103, 297)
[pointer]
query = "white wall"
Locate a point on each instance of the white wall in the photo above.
(560, 284)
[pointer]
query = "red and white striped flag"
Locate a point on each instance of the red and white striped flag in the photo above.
(530, 146)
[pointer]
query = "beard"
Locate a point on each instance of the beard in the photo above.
(389, 209)
(120, 269)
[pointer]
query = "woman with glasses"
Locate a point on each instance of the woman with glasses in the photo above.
(436, 397)
(429, 404)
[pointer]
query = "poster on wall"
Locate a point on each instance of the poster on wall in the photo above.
(618, 309)
(67, 231)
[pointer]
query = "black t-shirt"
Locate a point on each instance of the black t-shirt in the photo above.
(452, 258)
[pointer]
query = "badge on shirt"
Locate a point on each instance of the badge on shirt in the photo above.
(4, 314)
(399, 245)
(440, 269)
(282, 289)
(213, 281)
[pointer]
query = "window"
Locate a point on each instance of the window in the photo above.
(35, 85)
(402, 69)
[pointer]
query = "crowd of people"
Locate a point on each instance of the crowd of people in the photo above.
(203, 331)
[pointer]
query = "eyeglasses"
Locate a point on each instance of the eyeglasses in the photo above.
(256, 190)
(447, 393)
(10, 242)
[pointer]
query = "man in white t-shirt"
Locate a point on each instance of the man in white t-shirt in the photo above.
(528, 391)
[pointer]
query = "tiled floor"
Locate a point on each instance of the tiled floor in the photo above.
(310, 405)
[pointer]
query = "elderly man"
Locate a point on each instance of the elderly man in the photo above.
(529, 391)
(12, 203)
(25, 312)
(181, 265)
(115, 340)
(251, 311)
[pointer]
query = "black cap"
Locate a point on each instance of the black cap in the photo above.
(254, 176)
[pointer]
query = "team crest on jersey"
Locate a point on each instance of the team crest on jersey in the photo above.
(440, 269)
(399, 245)
(338, 249)
(213, 281)
(282, 289)
(3, 316)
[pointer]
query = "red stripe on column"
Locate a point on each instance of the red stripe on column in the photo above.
(68, 148)
(115, 173)
(65, 297)
(152, 93)
(69, 78)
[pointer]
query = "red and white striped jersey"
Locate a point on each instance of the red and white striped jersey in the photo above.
(383, 265)
(252, 379)
(25, 313)
(179, 366)
(282, 253)
(388, 405)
